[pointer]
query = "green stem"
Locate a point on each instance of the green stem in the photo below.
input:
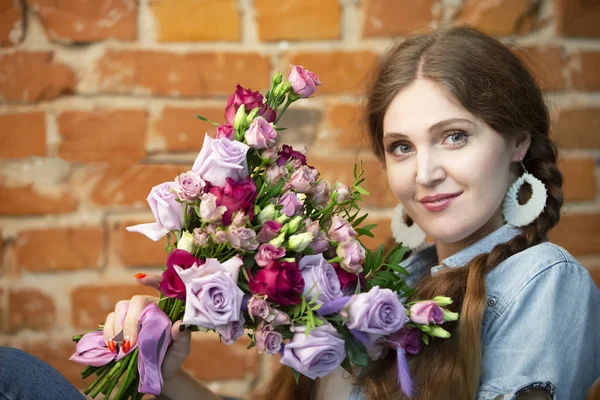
(107, 377)
(101, 374)
(89, 370)
(129, 375)
(115, 378)
(176, 310)
(285, 107)
(185, 213)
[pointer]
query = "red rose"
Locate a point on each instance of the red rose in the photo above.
(347, 279)
(236, 196)
(225, 131)
(171, 284)
(282, 282)
(248, 98)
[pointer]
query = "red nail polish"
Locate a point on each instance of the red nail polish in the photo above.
(140, 275)
(112, 346)
(126, 346)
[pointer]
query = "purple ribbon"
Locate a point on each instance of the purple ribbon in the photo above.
(404, 380)
(153, 340)
(333, 306)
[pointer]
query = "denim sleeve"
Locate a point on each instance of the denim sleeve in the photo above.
(545, 337)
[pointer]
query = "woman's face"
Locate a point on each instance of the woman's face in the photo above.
(447, 167)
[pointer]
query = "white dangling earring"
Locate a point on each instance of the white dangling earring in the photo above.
(411, 236)
(517, 214)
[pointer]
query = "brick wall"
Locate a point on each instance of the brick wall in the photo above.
(96, 104)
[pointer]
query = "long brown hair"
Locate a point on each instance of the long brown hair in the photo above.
(492, 83)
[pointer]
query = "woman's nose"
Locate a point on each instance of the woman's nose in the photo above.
(429, 169)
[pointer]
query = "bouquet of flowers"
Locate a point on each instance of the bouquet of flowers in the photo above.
(258, 242)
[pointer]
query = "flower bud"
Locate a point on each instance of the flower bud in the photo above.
(300, 242)
(450, 316)
(443, 300)
(250, 117)
(186, 242)
(293, 224)
(438, 331)
(282, 218)
(278, 241)
(266, 214)
(239, 122)
(277, 79)
(200, 238)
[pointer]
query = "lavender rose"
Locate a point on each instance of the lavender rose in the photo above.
(320, 278)
(320, 243)
(220, 159)
(242, 238)
(212, 300)
(258, 307)
(377, 312)
(267, 339)
(427, 311)
(232, 330)
(340, 229)
(353, 255)
(260, 134)
(303, 179)
(167, 211)
(189, 186)
(291, 203)
(408, 339)
(317, 354)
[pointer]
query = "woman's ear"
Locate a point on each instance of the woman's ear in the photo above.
(521, 146)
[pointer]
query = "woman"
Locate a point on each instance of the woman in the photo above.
(457, 120)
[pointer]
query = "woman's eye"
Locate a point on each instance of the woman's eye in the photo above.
(402, 148)
(456, 138)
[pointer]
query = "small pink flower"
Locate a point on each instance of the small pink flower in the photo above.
(275, 173)
(209, 211)
(188, 186)
(353, 255)
(303, 179)
(269, 231)
(342, 191)
(304, 82)
(220, 236)
(239, 219)
(200, 238)
(268, 254)
(340, 229)
(426, 312)
(291, 202)
(260, 134)
(225, 131)
(242, 238)
(258, 307)
(320, 243)
(320, 195)
(267, 339)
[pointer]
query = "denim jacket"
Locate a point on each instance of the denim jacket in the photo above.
(541, 325)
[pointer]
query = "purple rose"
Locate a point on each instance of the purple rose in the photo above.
(377, 312)
(282, 282)
(317, 354)
(168, 212)
(353, 255)
(225, 131)
(232, 330)
(274, 173)
(235, 196)
(269, 231)
(320, 243)
(320, 194)
(258, 307)
(209, 211)
(267, 339)
(340, 230)
(247, 97)
(278, 317)
(303, 179)
(304, 83)
(426, 312)
(291, 202)
(171, 284)
(320, 279)
(211, 266)
(268, 254)
(260, 134)
(213, 300)
(242, 238)
(408, 339)
(189, 186)
(287, 153)
(220, 159)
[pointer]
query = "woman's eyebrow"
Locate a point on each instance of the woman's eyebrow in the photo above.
(437, 126)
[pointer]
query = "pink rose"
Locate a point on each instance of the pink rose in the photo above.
(258, 307)
(268, 254)
(342, 192)
(269, 231)
(189, 186)
(282, 282)
(209, 211)
(225, 131)
(320, 195)
(248, 98)
(220, 159)
(303, 179)
(291, 202)
(304, 82)
(267, 339)
(260, 134)
(171, 284)
(295, 158)
(426, 312)
(200, 238)
(353, 255)
(275, 173)
(236, 196)
(340, 229)
(167, 211)
(241, 238)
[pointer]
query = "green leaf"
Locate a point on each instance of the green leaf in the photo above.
(425, 338)
(398, 268)
(200, 117)
(296, 375)
(356, 352)
(379, 256)
(359, 220)
(363, 232)
(361, 190)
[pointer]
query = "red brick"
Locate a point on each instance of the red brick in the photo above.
(585, 77)
(298, 19)
(234, 361)
(60, 249)
(33, 76)
(578, 18)
(91, 304)
(130, 185)
(578, 233)
(340, 71)
(30, 309)
(579, 180)
(184, 132)
(494, 17)
(189, 21)
(397, 17)
(595, 273)
(87, 20)
(26, 200)
(23, 135)
(102, 135)
(577, 128)
(11, 22)
(345, 129)
(193, 74)
(342, 169)
(546, 64)
(135, 249)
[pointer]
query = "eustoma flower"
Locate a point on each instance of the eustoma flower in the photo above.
(241, 96)
(427, 311)
(304, 82)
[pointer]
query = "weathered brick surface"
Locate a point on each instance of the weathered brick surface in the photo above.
(87, 20)
(11, 22)
(191, 20)
(546, 65)
(102, 135)
(23, 135)
(574, 127)
(134, 249)
(56, 249)
(578, 18)
(298, 19)
(182, 131)
(30, 309)
(345, 128)
(579, 178)
(494, 17)
(173, 74)
(27, 200)
(397, 17)
(578, 233)
(33, 76)
(585, 76)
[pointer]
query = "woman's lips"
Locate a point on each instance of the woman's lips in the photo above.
(439, 202)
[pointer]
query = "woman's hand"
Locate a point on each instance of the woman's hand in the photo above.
(179, 349)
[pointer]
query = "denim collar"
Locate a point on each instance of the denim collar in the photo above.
(428, 256)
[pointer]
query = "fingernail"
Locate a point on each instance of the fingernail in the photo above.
(111, 345)
(181, 328)
(126, 344)
(140, 275)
